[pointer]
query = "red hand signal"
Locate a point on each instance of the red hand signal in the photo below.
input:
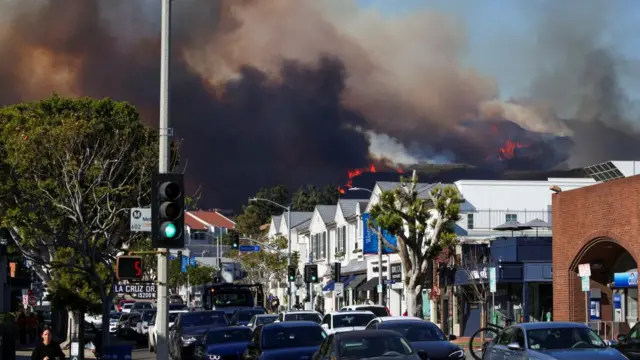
(138, 268)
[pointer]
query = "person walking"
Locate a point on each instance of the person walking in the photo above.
(47, 349)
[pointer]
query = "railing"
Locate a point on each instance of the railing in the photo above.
(488, 219)
(609, 330)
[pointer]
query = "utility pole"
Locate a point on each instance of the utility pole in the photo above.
(289, 300)
(162, 330)
(380, 280)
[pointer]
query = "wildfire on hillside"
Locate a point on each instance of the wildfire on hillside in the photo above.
(351, 174)
(508, 151)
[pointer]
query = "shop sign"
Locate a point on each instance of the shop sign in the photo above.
(626, 279)
(478, 274)
(396, 272)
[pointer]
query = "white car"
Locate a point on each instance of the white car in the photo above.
(113, 322)
(142, 326)
(126, 307)
(372, 324)
(378, 310)
(346, 321)
(173, 314)
(299, 315)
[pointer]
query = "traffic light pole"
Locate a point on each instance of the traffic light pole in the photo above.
(162, 330)
(290, 299)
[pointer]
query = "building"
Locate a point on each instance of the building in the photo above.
(203, 230)
(598, 227)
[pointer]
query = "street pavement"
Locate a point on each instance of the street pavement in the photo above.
(139, 352)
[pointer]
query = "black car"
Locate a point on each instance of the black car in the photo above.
(423, 335)
(242, 317)
(368, 344)
(223, 344)
(289, 340)
(189, 329)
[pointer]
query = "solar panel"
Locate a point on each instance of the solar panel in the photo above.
(604, 172)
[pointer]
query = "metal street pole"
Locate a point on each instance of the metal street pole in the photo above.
(162, 349)
(289, 300)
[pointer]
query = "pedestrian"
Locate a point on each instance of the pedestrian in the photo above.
(32, 322)
(47, 349)
(22, 328)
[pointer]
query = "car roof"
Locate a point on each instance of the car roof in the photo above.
(363, 305)
(300, 312)
(178, 311)
(398, 318)
(291, 324)
(345, 313)
(348, 335)
(550, 325)
(265, 315)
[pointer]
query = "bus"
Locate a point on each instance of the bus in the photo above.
(231, 297)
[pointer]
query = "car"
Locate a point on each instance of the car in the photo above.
(223, 343)
(113, 322)
(628, 343)
(242, 317)
(285, 340)
(549, 341)
(299, 315)
(152, 341)
(261, 319)
(423, 336)
(139, 306)
(378, 310)
(142, 327)
(346, 321)
(189, 329)
(368, 344)
(126, 307)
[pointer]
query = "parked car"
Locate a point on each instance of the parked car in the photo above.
(369, 344)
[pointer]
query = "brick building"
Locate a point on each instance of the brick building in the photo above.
(599, 225)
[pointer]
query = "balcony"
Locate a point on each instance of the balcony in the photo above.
(485, 220)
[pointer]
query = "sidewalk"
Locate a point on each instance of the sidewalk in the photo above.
(24, 353)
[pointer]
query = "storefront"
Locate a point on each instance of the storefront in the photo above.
(625, 297)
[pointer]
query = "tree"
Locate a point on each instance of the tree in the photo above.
(422, 222)
(70, 171)
(177, 278)
(200, 275)
(258, 213)
(307, 197)
(478, 287)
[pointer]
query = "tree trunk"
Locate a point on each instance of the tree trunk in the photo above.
(412, 296)
(71, 325)
(483, 319)
(106, 319)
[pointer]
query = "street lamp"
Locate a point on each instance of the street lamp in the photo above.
(380, 300)
(288, 210)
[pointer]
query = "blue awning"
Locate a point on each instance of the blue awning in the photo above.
(348, 279)
(330, 285)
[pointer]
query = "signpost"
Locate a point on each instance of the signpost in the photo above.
(140, 220)
(140, 291)
(338, 289)
(492, 290)
(249, 248)
(584, 271)
(33, 301)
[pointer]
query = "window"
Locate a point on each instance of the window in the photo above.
(341, 241)
(323, 254)
(198, 235)
(505, 337)
(469, 221)
(511, 217)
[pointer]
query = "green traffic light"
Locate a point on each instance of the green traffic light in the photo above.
(170, 230)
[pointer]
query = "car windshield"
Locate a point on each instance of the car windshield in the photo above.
(266, 319)
(240, 334)
(288, 337)
(418, 331)
(303, 317)
(124, 317)
(224, 298)
(173, 316)
(349, 320)
(148, 315)
(202, 319)
(373, 347)
(114, 315)
(378, 311)
(563, 338)
(127, 306)
(247, 315)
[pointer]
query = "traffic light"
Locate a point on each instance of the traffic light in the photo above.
(235, 240)
(336, 271)
(167, 211)
(129, 268)
(307, 274)
(179, 257)
(313, 270)
(292, 272)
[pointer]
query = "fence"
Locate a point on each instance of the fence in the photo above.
(609, 330)
(488, 219)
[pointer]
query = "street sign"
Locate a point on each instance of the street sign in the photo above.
(33, 301)
(249, 248)
(585, 283)
(584, 270)
(144, 291)
(25, 301)
(140, 220)
(338, 289)
(492, 280)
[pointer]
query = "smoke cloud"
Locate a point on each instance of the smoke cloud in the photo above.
(297, 91)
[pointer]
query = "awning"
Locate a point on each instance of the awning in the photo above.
(355, 281)
(330, 285)
(371, 284)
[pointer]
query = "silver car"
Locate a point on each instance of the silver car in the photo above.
(549, 341)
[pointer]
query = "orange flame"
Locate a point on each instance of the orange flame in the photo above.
(351, 174)
(508, 151)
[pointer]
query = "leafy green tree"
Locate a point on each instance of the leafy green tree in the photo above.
(249, 222)
(423, 223)
(177, 278)
(70, 170)
(308, 196)
(258, 213)
(201, 274)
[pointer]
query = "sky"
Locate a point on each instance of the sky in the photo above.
(489, 22)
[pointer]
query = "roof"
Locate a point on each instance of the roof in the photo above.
(298, 217)
(303, 226)
(349, 206)
(423, 189)
(276, 222)
(327, 212)
(550, 325)
(202, 220)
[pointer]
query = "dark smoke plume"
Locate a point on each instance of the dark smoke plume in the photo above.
(298, 91)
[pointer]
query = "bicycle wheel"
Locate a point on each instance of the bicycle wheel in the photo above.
(480, 339)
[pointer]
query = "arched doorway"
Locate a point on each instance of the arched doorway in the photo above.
(613, 292)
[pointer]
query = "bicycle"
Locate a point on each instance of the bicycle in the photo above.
(491, 331)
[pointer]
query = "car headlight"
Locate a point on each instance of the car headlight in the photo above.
(215, 357)
(458, 354)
